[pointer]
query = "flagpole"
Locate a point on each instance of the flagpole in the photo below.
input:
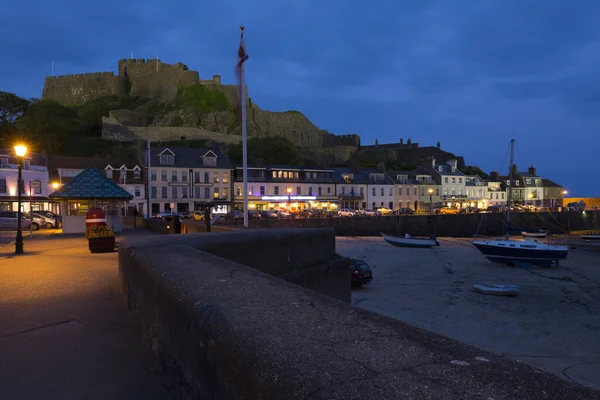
(148, 182)
(244, 139)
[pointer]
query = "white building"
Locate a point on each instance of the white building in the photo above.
(181, 177)
(476, 191)
(380, 190)
(452, 182)
(351, 188)
(34, 177)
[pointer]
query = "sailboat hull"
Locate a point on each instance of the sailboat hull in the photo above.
(409, 242)
(509, 255)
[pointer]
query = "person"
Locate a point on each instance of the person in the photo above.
(135, 213)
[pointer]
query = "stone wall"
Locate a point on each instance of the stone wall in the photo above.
(440, 225)
(590, 202)
(221, 329)
(80, 88)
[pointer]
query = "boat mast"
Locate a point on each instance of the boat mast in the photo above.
(510, 182)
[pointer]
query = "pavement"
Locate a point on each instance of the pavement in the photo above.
(553, 325)
(64, 329)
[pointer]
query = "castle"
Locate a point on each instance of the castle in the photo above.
(136, 77)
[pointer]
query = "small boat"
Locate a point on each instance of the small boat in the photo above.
(519, 254)
(590, 237)
(536, 234)
(409, 241)
(498, 290)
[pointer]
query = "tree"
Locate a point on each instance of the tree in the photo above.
(376, 142)
(11, 108)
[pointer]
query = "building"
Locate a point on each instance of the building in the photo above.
(476, 191)
(451, 181)
(126, 173)
(526, 187)
(350, 188)
(286, 188)
(496, 190)
(34, 176)
(415, 189)
(380, 190)
(180, 177)
(553, 194)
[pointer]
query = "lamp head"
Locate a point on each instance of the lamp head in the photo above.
(20, 150)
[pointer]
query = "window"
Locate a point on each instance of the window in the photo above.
(415, 191)
(310, 193)
(399, 190)
(26, 164)
(496, 196)
(163, 175)
(391, 191)
(184, 176)
(210, 160)
(262, 190)
(373, 191)
(343, 189)
(207, 193)
(197, 176)
(206, 177)
(225, 177)
(224, 192)
(298, 190)
(437, 191)
(373, 205)
(528, 181)
(3, 185)
(216, 192)
(184, 192)
(362, 191)
(163, 192)
(174, 192)
(276, 190)
(422, 191)
(137, 191)
(136, 174)
(167, 159)
(153, 192)
(382, 192)
(197, 192)
(174, 176)
(238, 191)
(215, 177)
(407, 191)
(446, 179)
(153, 175)
(109, 173)
(502, 196)
(453, 180)
(328, 190)
(3, 162)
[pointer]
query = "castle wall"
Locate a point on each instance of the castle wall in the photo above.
(152, 78)
(80, 88)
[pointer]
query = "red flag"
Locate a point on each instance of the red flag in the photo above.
(242, 57)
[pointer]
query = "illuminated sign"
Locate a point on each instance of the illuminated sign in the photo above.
(285, 198)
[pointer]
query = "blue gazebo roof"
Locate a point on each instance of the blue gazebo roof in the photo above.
(91, 183)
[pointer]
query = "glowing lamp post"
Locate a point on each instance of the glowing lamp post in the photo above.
(430, 191)
(55, 185)
(20, 151)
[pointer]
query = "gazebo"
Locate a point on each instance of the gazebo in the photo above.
(90, 188)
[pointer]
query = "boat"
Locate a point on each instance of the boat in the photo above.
(409, 241)
(590, 237)
(498, 290)
(519, 253)
(536, 234)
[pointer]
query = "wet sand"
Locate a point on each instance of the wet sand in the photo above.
(553, 325)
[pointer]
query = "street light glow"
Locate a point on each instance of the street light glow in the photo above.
(55, 185)
(430, 191)
(20, 150)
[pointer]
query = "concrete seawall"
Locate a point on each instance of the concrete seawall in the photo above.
(222, 329)
(440, 225)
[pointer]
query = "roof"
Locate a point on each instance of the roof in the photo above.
(549, 183)
(411, 176)
(36, 159)
(91, 183)
(55, 163)
(186, 157)
(359, 178)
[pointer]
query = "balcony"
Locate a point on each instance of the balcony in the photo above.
(351, 197)
(453, 196)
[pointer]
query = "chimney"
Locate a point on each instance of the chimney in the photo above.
(494, 176)
(401, 141)
(514, 170)
(532, 170)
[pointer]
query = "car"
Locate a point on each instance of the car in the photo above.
(371, 213)
(166, 214)
(346, 212)
(405, 211)
(253, 214)
(49, 214)
(385, 211)
(9, 219)
(234, 214)
(448, 210)
(361, 273)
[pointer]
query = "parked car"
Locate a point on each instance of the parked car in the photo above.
(253, 214)
(196, 215)
(346, 212)
(361, 273)
(405, 211)
(448, 210)
(234, 214)
(9, 219)
(57, 219)
(371, 213)
(37, 219)
(385, 211)
(268, 214)
(166, 214)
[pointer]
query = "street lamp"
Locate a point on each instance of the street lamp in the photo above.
(55, 185)
(20, 151)
(565, 192)
(430, 191)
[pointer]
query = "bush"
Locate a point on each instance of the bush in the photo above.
(99, 231)
(202, 99)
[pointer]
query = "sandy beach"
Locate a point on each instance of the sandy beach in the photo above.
(553, 325)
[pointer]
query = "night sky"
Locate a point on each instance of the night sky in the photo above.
(470, 74)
